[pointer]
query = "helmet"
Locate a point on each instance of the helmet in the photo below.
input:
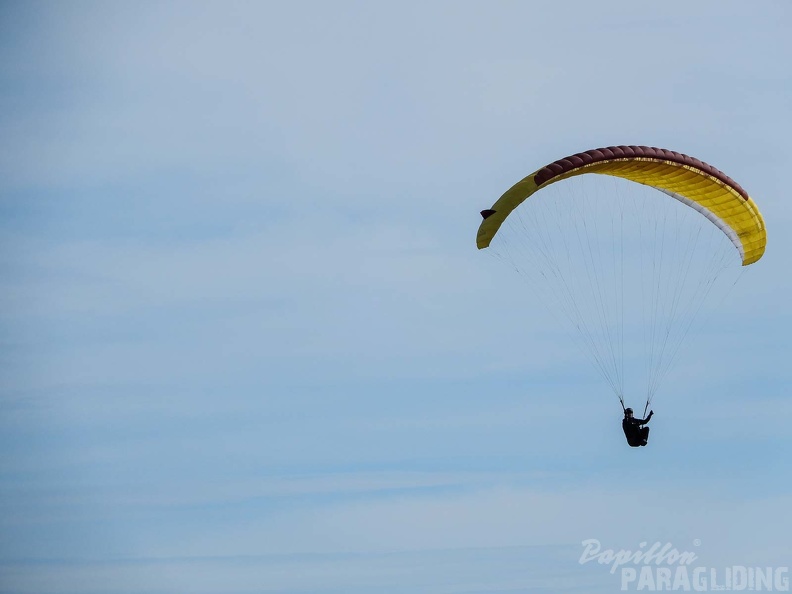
(628, 410)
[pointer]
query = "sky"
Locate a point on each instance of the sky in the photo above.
(247, 342)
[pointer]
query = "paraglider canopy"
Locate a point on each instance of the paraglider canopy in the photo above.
(632, 264)
(691, 181)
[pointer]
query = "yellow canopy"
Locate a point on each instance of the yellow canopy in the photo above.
(693, 182)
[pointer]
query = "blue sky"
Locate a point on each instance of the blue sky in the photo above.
(247, 342)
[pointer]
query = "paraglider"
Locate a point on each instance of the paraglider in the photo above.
(634, 430)
(627, 257)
